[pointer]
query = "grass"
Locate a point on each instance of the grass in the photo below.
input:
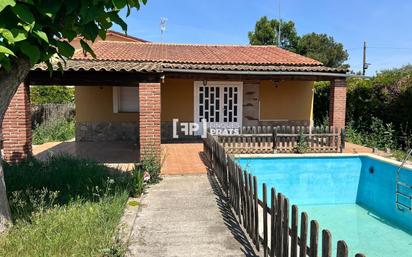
(77, 229)
(400, 155)
(64, 207)
(54, 130)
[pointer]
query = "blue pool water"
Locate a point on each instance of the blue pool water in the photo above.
(352, 196)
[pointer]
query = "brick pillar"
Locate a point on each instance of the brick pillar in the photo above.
(16, 126)
(149, 118)
(337, 103)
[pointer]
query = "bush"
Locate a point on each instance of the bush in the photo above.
(51, 94)
(376, 105)
(379, 135)
(151, 164)
(54, 130)
(302, 146)
(138, 185)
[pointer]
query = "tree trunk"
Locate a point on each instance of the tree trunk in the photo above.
(9, 82)
(5, 216)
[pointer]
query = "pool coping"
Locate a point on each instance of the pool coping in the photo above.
(374, 156)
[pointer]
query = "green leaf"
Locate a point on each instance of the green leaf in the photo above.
(71, 5)
(116, 19)
(5, 3)
(41, 35)
(119, 4)
(65, 48)
(90, 31)
(87, 48)
(50, 7)
(102, 34)
(19, 35)
(6, 34)
(5, 63)
(23, 13)
(5, 50)
(30, 51)
(69, 34)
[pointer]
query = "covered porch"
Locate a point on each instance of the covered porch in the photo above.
(144, 101)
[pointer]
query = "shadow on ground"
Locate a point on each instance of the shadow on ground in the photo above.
(229, 218)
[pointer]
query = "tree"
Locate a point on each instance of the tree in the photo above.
(34, 31)
(320, 47)
(266, 33)
(51, 94)
(323, 48)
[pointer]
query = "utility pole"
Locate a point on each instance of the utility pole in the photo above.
(365, 65)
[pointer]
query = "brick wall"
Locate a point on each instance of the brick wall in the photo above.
(149, 118)
(337, 103)
(16, 127)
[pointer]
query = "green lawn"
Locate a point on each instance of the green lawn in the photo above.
(64, 207)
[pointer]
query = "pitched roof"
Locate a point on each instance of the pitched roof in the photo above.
(125, 36)
(195, 54)
(157, 57)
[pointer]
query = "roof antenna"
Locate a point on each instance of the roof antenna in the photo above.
(163, 23)
(280, 23)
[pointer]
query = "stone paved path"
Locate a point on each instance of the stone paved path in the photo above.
(187, 216)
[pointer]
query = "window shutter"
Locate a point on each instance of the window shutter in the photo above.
(127, 99)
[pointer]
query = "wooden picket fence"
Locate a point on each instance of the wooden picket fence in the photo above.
(284, 139)
(278, 238)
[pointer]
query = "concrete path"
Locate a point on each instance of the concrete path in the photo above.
(187, 216)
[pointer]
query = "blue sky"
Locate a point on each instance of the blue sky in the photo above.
(385, 25)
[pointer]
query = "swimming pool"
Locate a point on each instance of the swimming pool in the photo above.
(352, 196)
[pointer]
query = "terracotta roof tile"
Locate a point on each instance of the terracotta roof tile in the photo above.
(195, 54)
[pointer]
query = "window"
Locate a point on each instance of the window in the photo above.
(125, 99)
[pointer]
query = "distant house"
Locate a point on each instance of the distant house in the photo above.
(134, 89)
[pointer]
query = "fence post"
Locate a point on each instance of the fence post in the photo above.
(314, 232)
(265, 222)
(342, 249)
(274, 139)
(342, 139)
(286, 228)
(303, 235)
(273, 228)
(256, 215)
(326, 243)
(294, 232)
(279, 230)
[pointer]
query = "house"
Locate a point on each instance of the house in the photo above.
(134, 89)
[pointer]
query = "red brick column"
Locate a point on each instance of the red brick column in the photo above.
(16, 126)
(337, 103)
(149, 119)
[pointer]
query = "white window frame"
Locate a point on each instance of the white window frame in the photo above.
(116, 101)
(197, 84)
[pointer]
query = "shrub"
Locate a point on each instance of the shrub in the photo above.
(51, 94)
(54, 130)
(386, 96)
(379, 135)
(151, 164)
(138, 185)
(302, 146)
